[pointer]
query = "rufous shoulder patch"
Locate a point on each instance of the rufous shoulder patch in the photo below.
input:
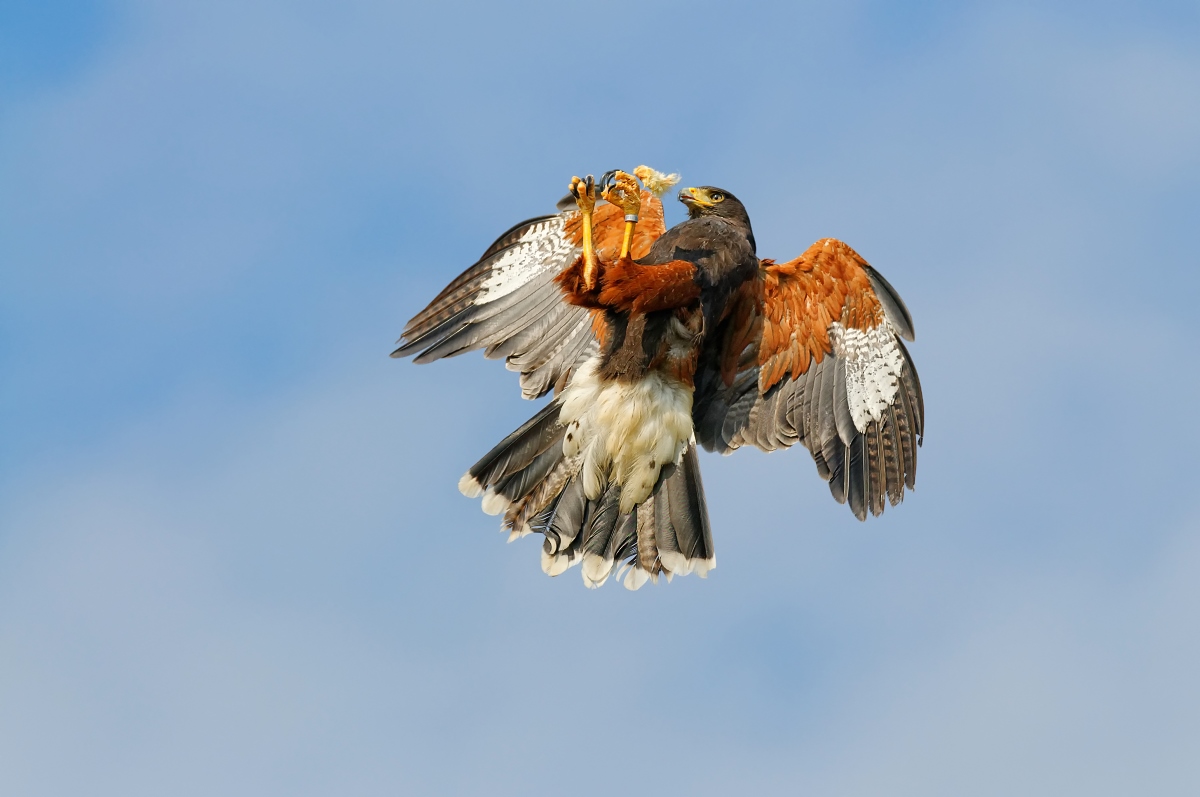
(801, 298)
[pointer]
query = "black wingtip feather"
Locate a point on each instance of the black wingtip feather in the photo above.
(859, 478)
(834, 454)
(893, 305)
(427, 338)
(876, 483)
(912, 385)
(892, 457)
(907, 443)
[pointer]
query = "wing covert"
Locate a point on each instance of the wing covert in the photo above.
(508, 304)
(810, 352)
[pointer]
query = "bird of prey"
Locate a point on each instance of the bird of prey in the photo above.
(653, 341)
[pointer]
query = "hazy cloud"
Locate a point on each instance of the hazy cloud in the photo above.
(232, 558)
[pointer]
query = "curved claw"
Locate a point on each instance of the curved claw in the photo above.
(584, 192)
(625, 193)
(605, 181)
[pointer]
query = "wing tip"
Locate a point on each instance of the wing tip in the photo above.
(899, 315)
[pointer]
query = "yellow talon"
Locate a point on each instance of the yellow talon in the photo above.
(625, 193)
(584, 191)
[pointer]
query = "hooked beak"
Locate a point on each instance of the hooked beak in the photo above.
(694, 197)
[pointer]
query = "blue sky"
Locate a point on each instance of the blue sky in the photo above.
(232, 556)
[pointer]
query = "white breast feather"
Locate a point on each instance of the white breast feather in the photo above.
(625, 431)
(873, 362)
(542, 247)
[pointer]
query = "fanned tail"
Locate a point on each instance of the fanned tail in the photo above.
(514, 468)
(539, 489)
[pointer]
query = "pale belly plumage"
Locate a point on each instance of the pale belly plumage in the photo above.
(625, 432)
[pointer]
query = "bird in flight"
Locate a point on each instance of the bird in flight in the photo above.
(654, 340)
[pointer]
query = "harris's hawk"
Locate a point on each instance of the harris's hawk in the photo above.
(653, 340)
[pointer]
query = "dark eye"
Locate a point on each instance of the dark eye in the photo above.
(716, 196)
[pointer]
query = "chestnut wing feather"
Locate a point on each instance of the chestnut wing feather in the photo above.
(810, 352)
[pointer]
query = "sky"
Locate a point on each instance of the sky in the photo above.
(233, 558)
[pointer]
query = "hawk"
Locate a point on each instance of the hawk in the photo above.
(653, 341)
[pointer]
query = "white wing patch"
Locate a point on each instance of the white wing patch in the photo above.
(542, 247)
(873, 363)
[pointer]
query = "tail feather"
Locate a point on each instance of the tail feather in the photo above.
(523, 482)
(561, 524)
(515, 452)
(688, 516)
(538, 508)
(599, 541)
(541, 490)
(642, 563)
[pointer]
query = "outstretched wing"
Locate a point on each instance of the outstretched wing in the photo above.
(509, 305)
(810, 352)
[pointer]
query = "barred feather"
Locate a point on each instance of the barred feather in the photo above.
(847, 391)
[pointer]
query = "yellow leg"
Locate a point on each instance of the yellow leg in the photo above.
(590, 263)
(627, 241)
(625, 194)
(584, 191)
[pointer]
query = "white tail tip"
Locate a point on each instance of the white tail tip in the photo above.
(495, 503)
(595, 570)
(635, 578)
(469, 487)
